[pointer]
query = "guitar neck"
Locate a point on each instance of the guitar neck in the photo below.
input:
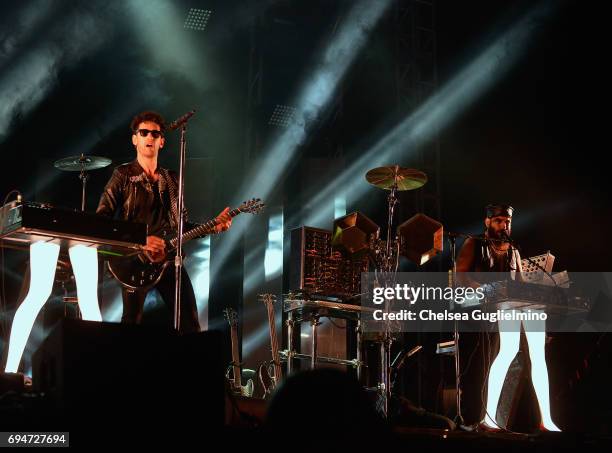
(235, 357)
(201, 230)
(274, 342)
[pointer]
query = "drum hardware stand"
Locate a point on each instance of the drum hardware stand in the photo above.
(314, 323)
(289, 353)
(83, 176)
(389, 265)
(391, 178)
(82, 164)
(392, 200)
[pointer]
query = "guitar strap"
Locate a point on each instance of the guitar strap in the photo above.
(166, 181)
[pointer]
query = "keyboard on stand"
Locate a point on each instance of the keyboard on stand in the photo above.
(23, 223)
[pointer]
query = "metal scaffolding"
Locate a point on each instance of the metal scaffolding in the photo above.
(416, 79)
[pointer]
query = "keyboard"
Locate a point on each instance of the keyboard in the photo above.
(22, 223)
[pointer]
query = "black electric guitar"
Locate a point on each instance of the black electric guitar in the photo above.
(235, 368)
(270, 373)
(138, 272)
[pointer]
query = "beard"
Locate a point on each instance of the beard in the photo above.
(492, 233)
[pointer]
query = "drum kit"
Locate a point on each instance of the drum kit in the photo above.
(357, 237)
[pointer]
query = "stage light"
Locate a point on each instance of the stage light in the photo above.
(197, 19)
(282, 115)
(159, 27)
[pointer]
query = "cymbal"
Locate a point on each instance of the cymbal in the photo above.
(82, 162)
(404, 178)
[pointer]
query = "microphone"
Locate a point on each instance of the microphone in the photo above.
(180, 121)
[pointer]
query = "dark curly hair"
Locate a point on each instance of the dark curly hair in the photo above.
(148, 115)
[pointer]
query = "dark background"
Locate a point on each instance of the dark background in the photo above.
(533, 140)
(529, 141)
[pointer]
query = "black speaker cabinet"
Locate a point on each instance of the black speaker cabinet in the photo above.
(94, 371)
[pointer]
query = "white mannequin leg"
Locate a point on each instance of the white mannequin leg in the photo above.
(85, 267)
(536, 339)
(43, 262)
(509, 341)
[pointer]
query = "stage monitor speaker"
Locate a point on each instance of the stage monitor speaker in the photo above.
(103, 371)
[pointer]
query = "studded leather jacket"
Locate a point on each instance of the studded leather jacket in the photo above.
(128, 187)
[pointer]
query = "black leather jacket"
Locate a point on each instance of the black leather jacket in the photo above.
(127, 188)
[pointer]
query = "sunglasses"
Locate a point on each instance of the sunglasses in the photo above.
(145, 132)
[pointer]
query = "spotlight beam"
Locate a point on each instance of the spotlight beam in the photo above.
(34, 75)
(440, 109)
(25, 24)
(315, 95)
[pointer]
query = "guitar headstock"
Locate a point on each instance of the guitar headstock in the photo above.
(231, 316)
(252, 206)
(268, 299)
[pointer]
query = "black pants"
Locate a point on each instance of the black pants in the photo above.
(133, 301)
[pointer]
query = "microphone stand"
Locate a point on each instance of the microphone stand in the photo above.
(452, 239)
(178, 259)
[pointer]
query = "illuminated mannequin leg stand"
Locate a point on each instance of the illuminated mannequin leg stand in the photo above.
(85, 267)
(536, 339)
(43, 262)
(509, 341)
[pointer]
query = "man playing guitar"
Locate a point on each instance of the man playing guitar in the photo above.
(141, 191)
